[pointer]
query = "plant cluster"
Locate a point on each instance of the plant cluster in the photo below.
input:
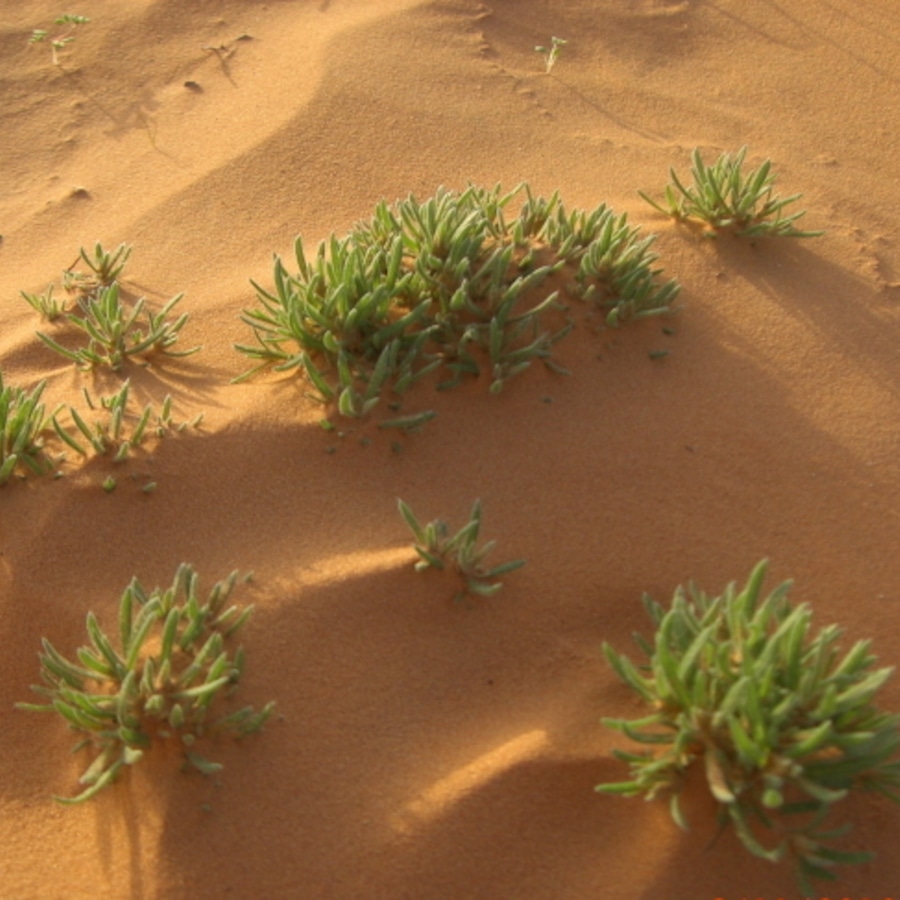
(116, 330)
(438, 549)
(104, 268)
(22, 423)
(46, 304)
(158, 685)
(451, 283)
(116, 432)
(724, 197)
(783, 724)
(58, 41)
(115, 333)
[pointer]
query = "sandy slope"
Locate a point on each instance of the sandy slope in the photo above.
(427, 749)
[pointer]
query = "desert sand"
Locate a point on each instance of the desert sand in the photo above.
(424, 748)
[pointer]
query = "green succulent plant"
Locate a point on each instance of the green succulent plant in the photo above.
(726, 198)
(451, 284)
(46, 304)
(781, 722)
(23, 421)
(116, 331)
(121, 430)
(438, 549)
(106, 266)
(158, 685)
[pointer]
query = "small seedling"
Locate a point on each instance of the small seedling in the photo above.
(60, 40)
(157, 686)
(22, 423)
(106, 266)
(437, 550)
(121, 430)
(727, 199)
(115, 332)
(782, 724)
(551, 53)
(46, 304)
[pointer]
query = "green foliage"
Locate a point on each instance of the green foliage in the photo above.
(726, 198)
(783, 725)
(116, 331)
(46, 304)
(105, 268)
(22, 423)
(115, 328)
(121, 430)
(460, 552)
(158, 685)
(449, 283)
(551, 53)
(60, 40)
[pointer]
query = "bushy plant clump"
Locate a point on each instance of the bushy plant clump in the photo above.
(158, 685)
(451, 282)
(116, 329)
(782, 723)
(22, 423)
(728, 199)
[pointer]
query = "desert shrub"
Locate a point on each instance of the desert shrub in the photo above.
(158, 685)
(448, 283)
(116, 329)
(783, 725)
(726, 198)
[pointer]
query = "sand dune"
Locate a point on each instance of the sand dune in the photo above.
(426, 749)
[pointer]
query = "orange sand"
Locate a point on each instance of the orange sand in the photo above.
(426, 749)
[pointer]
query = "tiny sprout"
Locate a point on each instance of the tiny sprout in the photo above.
(58, 41)
(551, 54)
(46, 304)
